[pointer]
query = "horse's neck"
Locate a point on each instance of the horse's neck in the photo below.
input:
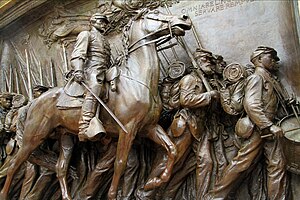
(143, 63)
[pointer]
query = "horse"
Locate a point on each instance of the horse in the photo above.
(136, 103)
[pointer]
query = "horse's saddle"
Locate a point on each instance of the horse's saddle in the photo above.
(66, 101)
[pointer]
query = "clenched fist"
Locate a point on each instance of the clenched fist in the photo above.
(78, 76)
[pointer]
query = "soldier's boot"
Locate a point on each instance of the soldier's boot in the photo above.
(90, 127)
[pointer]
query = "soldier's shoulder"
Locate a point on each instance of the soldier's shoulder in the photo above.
(191, 77)
(84, 34)
(254, 78)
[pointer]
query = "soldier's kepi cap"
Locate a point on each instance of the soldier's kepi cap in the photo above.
(202, 53)
(264, 50)
(40, 88)
(6, 95)
(96, 16)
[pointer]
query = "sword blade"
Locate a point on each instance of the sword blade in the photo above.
(106, 108)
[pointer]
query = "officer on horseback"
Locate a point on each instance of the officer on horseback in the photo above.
(90, 59)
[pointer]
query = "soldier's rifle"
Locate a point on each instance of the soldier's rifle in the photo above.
(6, 80)
(17, 81)
(52, 74)
(21, 72)
(65, 59)
(167, 46)
(183, 43)
(41, 75)
(11, 80)
(195, 65)
(30, 94)
(38, 65)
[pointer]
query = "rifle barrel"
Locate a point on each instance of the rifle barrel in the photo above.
(30, 95)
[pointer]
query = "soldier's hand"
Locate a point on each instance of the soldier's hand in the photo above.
(214, 83)
(215, 94)
(276, 131)
(78, 76)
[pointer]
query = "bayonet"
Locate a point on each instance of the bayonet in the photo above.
(30, 95)
(52, 73)
(65, 58)
(23, 78)
(17, 81)
(10, 86)
(6, 80)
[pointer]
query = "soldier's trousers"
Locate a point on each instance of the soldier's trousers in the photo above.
(250, 149)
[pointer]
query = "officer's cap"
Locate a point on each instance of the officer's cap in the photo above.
(99, 16)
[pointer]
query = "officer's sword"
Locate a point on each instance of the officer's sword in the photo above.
(106, 108)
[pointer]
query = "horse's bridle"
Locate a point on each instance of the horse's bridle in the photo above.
(133, 46)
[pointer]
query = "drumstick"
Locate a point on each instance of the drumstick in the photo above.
(265, 136)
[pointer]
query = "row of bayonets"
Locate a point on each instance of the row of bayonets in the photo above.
(15, 77)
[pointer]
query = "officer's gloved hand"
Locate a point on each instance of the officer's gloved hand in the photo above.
(276, 131)
(78, 76)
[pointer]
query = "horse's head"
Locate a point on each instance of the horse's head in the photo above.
(161, 24)
(152, 27)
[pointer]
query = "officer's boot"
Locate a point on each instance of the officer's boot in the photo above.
(87, 119)
(87, 113)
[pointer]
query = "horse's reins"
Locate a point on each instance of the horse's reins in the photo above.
(131, 49)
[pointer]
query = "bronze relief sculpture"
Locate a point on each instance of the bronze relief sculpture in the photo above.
(131, 123)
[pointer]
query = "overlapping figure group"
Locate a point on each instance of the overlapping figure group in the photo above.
(221, 119)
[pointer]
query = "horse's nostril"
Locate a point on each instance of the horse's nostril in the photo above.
(185, 17)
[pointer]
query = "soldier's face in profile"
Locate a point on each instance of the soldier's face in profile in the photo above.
(5, 103)
(268, 62)
(206, 64)
(36, 94)
(100, 25)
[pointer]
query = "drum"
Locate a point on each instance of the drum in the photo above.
(291, 142)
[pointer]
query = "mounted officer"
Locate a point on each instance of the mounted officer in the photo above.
(90, 59)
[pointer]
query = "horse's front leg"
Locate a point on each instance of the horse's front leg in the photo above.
(62, 165)
(124, 145)
(159, 136)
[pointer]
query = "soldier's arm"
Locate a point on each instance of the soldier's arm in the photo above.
(188, 96)
(79, 55)
(253, 102)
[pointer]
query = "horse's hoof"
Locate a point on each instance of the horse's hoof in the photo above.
(112, 195)
(152, 184)
(67, 198)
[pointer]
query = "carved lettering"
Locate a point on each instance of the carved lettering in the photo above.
(207, 7)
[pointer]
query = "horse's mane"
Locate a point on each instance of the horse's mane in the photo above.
(126, 30)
